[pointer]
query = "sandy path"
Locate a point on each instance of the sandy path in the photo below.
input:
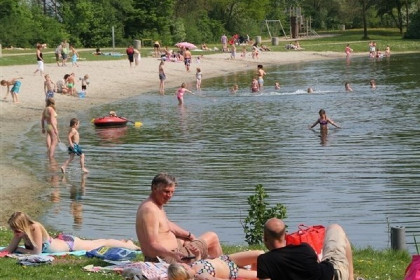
(109, 81)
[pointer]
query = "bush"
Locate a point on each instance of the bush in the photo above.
(413, 30)
(258, 214)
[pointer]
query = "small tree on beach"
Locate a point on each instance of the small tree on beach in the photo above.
(258, 214)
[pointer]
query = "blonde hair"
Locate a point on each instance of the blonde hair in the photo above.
(22, 222)
(177, 272)
(51, 103)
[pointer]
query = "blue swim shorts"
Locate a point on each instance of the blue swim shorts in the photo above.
(16, 87)
(75, 150)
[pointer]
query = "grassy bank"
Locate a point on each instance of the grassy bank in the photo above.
(368, 264)
(334, 41)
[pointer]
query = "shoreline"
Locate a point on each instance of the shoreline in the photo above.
(109, 81)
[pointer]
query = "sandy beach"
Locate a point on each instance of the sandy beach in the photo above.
(109, 81)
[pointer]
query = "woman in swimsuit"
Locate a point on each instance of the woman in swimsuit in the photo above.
(323, 121)
(49, 119)
(223, 267)
(37, 240)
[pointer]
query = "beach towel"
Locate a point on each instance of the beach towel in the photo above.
(74, 253)
(149, 270)
(33, 260)
(112, 253)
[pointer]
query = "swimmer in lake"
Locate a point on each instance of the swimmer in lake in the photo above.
(323, 121)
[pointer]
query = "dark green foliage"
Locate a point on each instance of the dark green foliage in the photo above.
(88, 23)
(413, 30)
(258, 214)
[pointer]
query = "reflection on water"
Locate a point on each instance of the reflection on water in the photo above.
(220, 145)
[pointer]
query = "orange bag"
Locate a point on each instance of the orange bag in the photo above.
(313, 235)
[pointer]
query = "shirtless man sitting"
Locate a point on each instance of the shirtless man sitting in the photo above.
(159, 237)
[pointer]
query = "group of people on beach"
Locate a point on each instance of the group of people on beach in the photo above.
(199, 257)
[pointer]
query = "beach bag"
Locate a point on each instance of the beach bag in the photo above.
(413, 269)
(112, 253)
(313, 235)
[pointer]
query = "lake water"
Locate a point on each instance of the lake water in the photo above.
(364, 176)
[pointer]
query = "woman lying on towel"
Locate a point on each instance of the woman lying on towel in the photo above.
(223, 267)
(37, 240)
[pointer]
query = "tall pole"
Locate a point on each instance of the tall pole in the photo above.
(113, 38)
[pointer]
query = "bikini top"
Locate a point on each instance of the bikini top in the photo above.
(207, 267)
(323, 122)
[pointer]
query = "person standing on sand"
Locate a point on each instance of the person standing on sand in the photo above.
(49, 87)
(57, 53)
(49, 126)
(187, 59)
(162, 77)
(223, 39)
(74, 148)
(156, 48)
(159, 237)
(39, 59)
(74, 56)
(15, 83)
(64, 52)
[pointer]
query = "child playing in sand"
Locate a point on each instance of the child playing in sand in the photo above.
(49, 87)
(15, 83)
(74, 56)
(198, 76)
(74, 148)
(85, 82)
(71, 84)
(180, 93)
(254, 85)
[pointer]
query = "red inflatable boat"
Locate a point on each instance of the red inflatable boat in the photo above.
(110, 121)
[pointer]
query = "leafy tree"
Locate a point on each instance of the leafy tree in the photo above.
(413, 30)
(258, 214)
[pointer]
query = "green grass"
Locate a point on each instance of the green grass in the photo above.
(336, 42)
(368, 264)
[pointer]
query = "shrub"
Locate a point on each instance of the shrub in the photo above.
(258, 214)
(413, 30)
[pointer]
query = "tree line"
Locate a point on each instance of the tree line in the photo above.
(88, 23)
